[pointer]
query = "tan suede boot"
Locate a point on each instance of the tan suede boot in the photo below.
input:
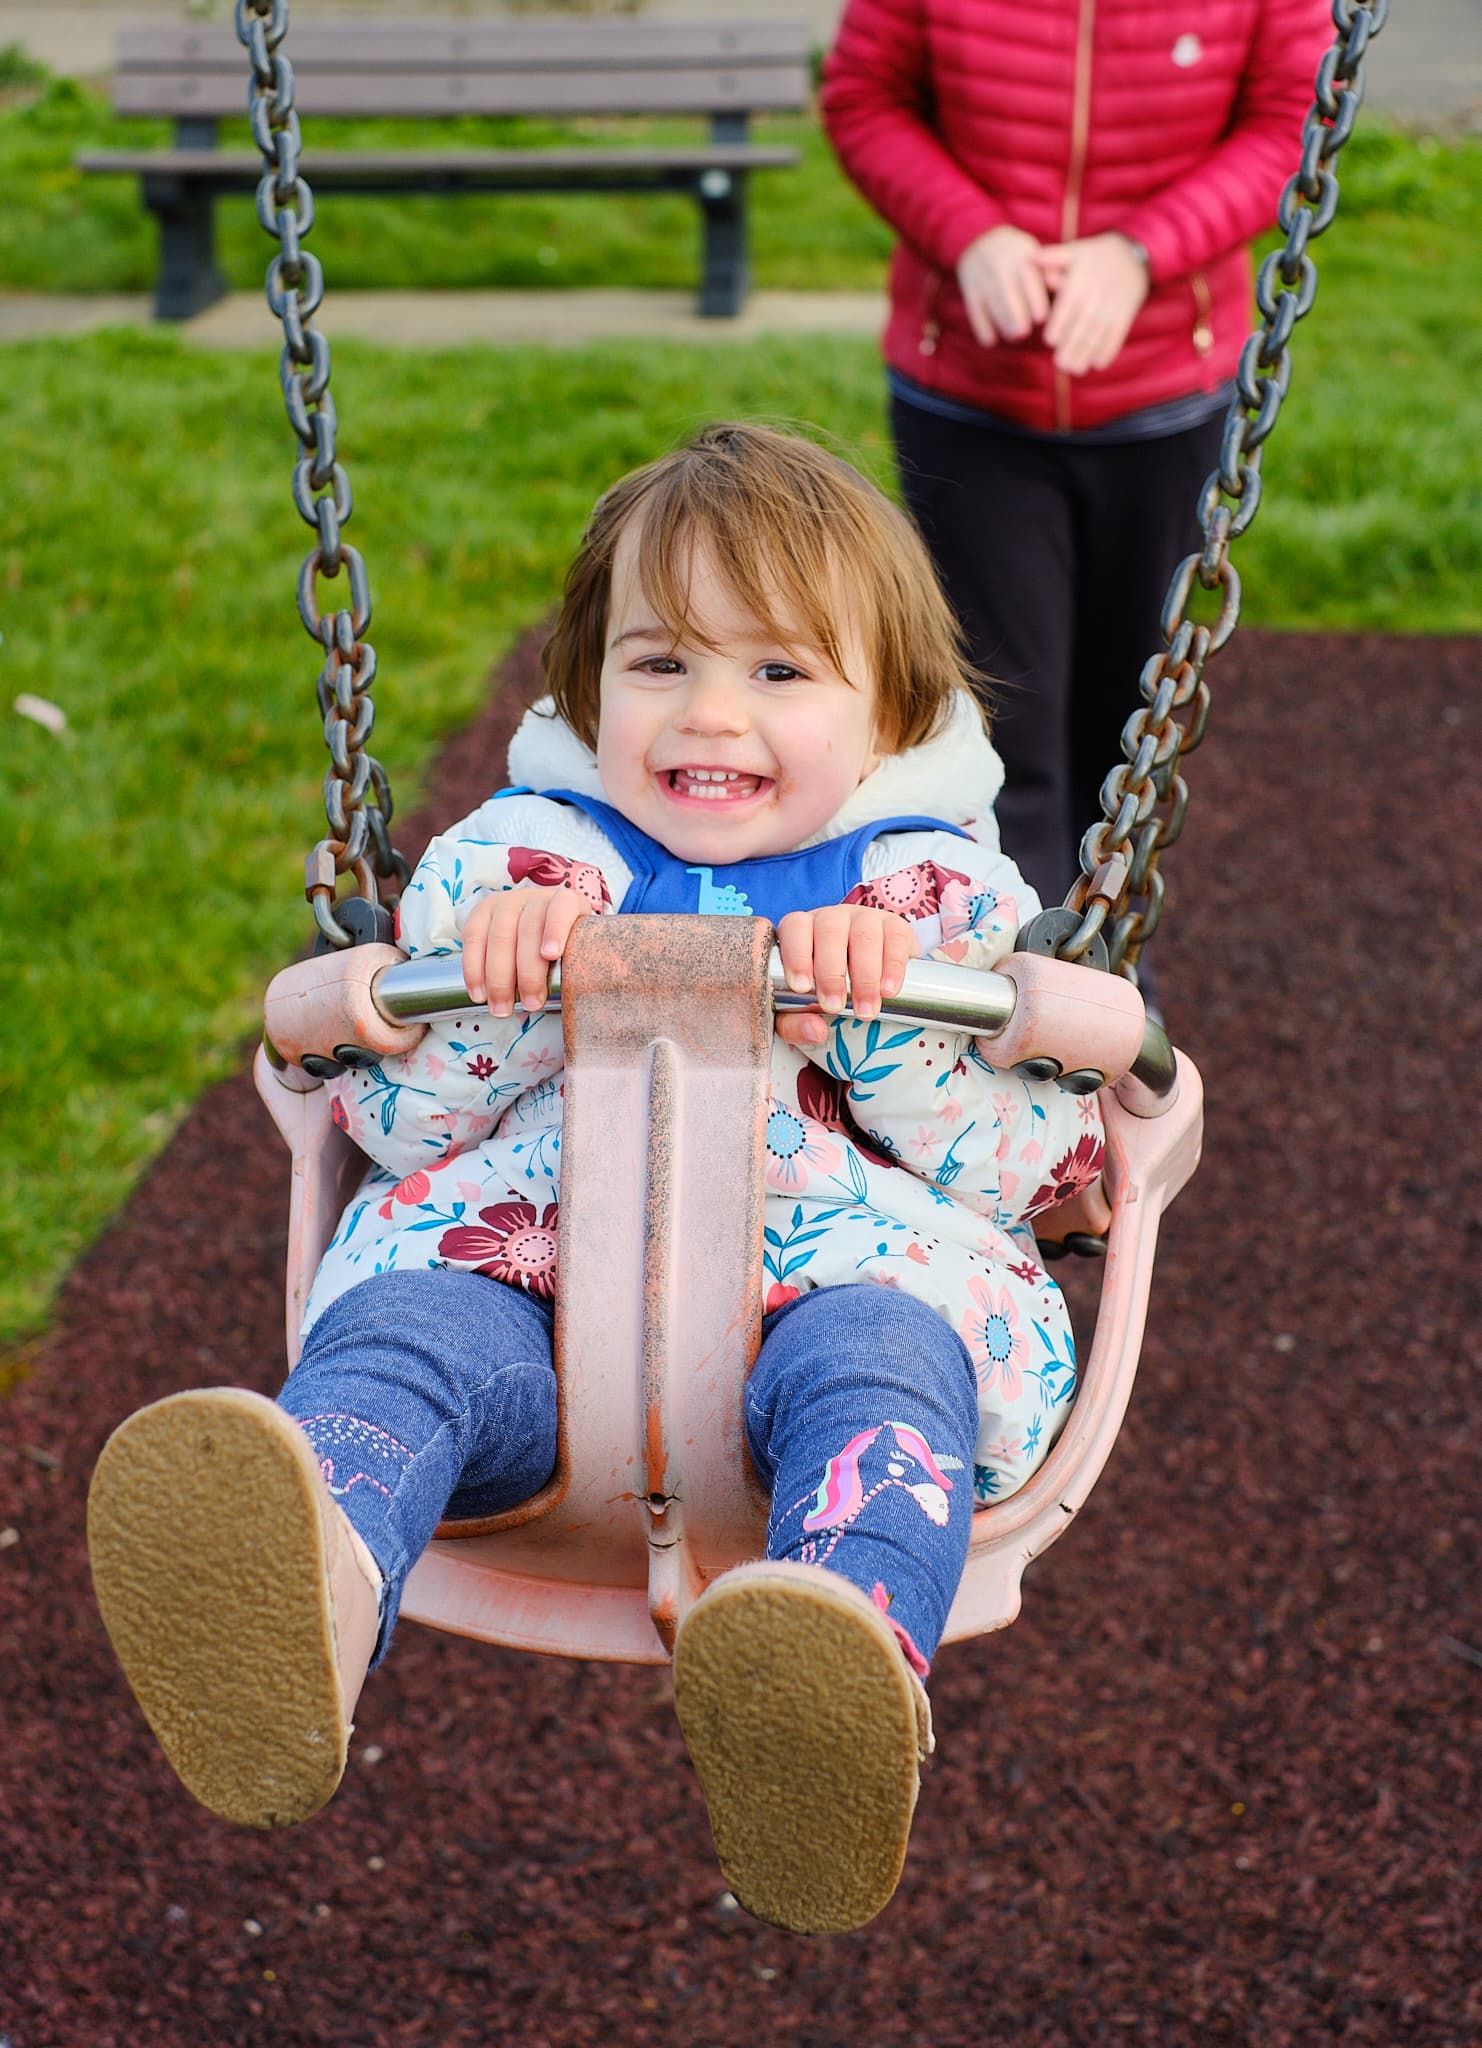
(239, 1600)
(807, 1728)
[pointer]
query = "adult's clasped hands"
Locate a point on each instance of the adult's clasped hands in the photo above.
(1084, 294)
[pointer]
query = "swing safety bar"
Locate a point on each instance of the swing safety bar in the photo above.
(416, 992)
(668, 1025)
(931, 992)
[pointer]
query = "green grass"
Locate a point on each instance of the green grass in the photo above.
(148, 552)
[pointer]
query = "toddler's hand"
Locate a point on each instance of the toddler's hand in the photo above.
(510, 940)
(847, 952)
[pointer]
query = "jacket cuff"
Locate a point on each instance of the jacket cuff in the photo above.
(1155, 240)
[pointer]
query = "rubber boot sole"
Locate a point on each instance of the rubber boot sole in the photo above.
(806, 1729)
(211, 1555)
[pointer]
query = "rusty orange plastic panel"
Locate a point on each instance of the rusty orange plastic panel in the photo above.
(1148, 1160)
(327, 1168)
(668, 1028)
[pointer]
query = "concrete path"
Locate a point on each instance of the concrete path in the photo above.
(1427, 67)
(555, 319)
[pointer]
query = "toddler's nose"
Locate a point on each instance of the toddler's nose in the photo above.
(713, 705)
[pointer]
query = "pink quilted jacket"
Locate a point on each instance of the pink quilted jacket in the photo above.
(1176, 122)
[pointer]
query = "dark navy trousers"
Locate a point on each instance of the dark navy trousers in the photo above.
(1056, 556)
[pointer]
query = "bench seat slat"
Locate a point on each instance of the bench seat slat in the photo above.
(611, 91)
(243, 169)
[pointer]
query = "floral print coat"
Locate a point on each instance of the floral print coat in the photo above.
(896, 1156)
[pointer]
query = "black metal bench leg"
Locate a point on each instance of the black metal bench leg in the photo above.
(724, 279)
(188, 280)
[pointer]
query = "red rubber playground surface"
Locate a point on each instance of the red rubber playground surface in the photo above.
(1221, 1782)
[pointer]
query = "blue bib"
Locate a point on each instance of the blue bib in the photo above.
(768, 887)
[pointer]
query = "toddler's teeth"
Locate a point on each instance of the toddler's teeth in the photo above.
(713, 785)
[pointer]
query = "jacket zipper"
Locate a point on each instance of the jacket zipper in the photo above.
(931, 327)
(1080, 124)
(1203, 314)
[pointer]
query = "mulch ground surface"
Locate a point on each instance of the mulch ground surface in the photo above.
(1221, 1781)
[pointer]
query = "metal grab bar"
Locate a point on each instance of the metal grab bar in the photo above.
(931, 992)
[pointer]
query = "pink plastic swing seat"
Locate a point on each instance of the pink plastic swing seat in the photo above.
(668, 1028)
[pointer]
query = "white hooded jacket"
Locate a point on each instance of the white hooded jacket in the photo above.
(895, 1156)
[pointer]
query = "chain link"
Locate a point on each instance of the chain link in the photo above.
(1119, 895)
(357, 794)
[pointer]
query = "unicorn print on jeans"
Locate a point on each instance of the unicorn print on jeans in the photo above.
(890, 1457)
(878, 1465)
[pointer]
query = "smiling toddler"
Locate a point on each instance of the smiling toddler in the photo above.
(757, 706)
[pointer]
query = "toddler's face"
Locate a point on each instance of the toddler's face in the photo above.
(732, 751)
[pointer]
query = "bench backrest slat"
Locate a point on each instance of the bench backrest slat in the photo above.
(433, 43)
(452, 67)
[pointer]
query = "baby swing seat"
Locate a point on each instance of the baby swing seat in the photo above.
(668, 1025)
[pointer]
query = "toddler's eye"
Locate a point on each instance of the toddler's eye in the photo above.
(779, 672)
(660, 665)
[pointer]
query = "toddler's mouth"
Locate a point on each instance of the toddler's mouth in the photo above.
(711, 786)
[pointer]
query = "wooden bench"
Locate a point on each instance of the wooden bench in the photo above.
(726, 70)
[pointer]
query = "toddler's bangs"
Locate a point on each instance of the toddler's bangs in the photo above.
(773, 555)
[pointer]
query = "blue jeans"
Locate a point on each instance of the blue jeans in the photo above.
(433, 1394)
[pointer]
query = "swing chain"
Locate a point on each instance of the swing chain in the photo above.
(1119, 894)
(358, 841)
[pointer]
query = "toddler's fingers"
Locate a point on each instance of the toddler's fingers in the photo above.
(866, 959)
(499, 951)
(531, 971)
(831, 931)
(795, 944)
(900, 946)
(802, 1027)
(562, 912)
(475, 938)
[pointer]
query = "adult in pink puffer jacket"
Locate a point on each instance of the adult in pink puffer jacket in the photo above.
(1074, 183)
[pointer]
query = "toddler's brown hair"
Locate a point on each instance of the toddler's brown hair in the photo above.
(798, 534)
